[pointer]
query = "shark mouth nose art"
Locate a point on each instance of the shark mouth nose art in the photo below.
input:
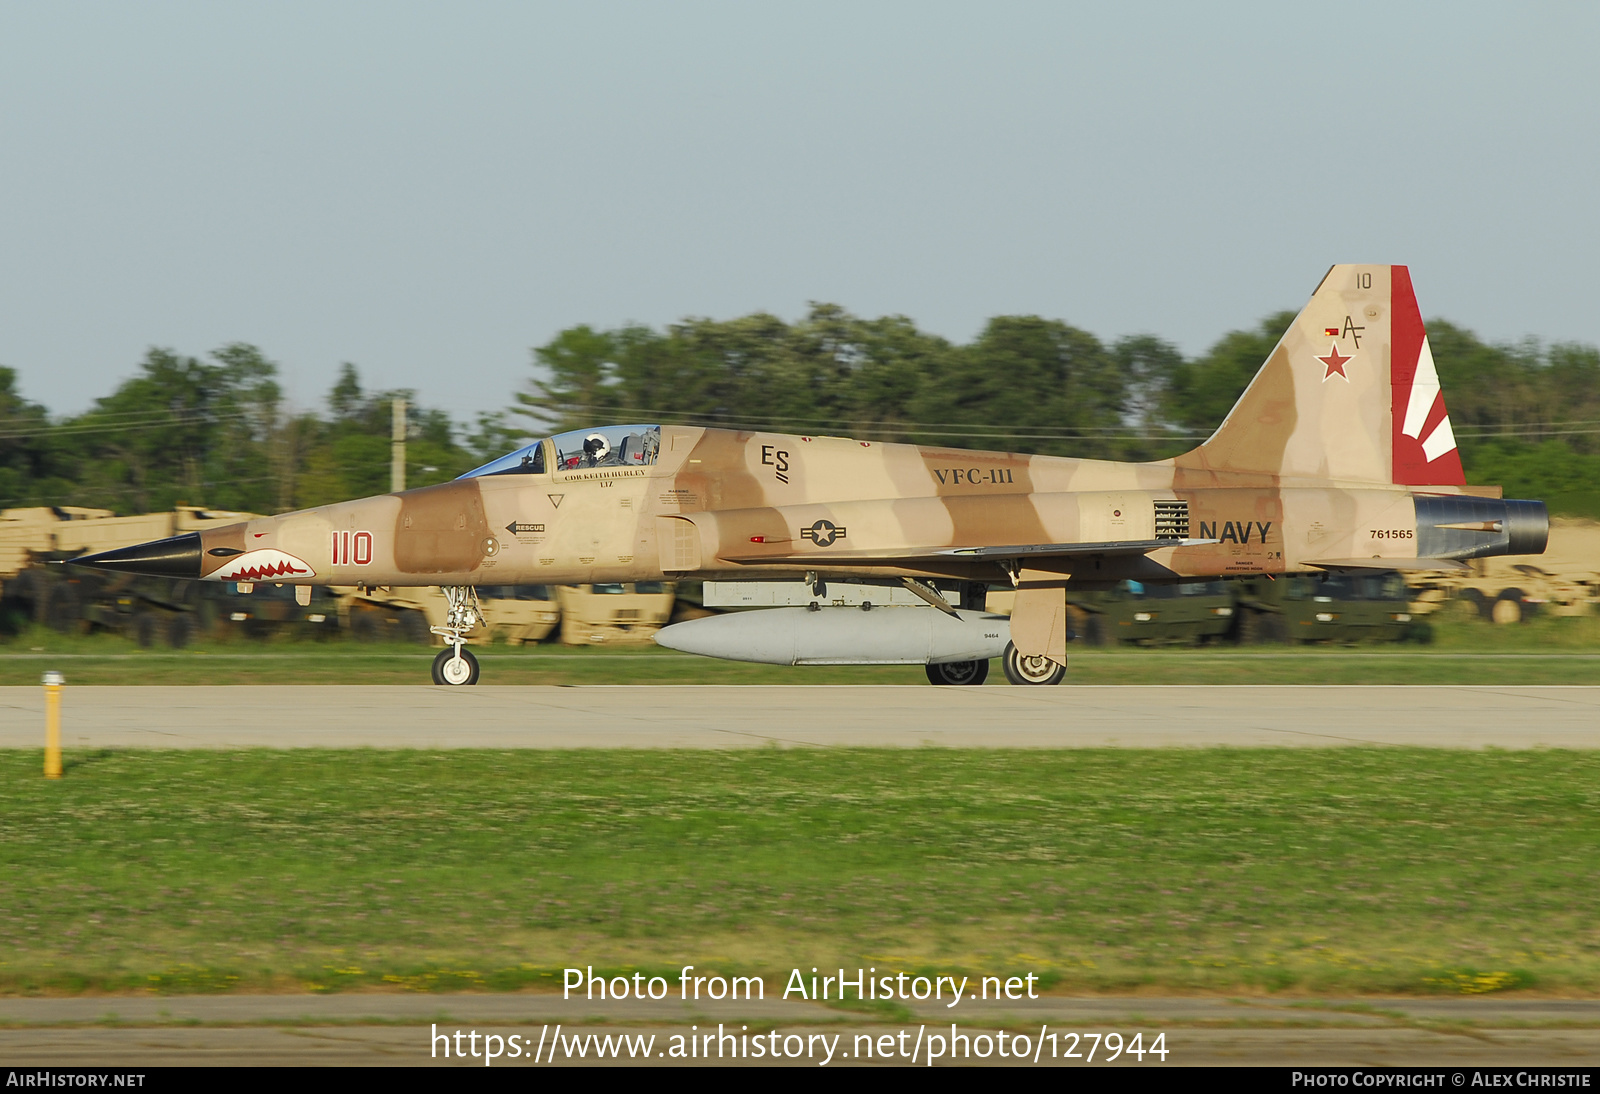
(264, 564)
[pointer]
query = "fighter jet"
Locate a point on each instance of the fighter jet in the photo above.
(1338, 456)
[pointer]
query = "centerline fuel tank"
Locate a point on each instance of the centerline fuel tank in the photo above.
(843, 636)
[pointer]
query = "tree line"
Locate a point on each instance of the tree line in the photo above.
(217, 430)
(1526, 416)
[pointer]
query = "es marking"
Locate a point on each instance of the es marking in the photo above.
(777, 459)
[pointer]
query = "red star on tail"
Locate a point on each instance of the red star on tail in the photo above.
(1335, 362)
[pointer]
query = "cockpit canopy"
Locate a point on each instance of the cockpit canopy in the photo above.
(603, 446)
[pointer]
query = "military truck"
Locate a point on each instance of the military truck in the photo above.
(514, 613)
(263, 609)
(1333, 607)
(1564, 581)
(609, 613)
(1339, 606)
(1183, 613)
(69, 599)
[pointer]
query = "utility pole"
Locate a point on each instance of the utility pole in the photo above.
(397, 448)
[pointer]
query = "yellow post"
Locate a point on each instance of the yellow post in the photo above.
(52, 725)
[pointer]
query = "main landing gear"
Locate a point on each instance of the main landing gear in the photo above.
(958, 672)
(1031, 670)
(1018, 669)
(455, 664)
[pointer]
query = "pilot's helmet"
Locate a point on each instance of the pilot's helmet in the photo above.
(596, 446)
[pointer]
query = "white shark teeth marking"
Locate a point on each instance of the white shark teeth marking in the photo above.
(263, 564)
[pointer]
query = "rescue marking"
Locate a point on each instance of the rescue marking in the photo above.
(518, 529)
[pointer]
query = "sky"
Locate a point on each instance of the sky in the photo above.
(431, 190)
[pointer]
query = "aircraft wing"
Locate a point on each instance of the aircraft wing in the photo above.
(899, 556)
(1421, 564)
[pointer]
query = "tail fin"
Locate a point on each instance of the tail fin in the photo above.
(1349, 393)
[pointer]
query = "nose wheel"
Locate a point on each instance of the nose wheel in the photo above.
(455, 667)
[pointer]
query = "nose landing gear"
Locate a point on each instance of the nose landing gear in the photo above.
(455, 664)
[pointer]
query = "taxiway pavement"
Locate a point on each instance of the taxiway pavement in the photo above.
(396, 716)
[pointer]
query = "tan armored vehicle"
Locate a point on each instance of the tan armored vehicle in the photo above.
(614, 612)
(1564, 582)
(46, 533)
(148, 609)
(514, 614)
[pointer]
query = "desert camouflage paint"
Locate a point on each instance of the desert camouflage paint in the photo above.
(1339, 454)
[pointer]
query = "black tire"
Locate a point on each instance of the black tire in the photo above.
(146, 626)
(1480, 604)
(958, 672)
(365, 625)
(414, 628)
(1039, 671)
(63, 613)
(440, 675)
(1094, 629)
(25, 595)
(1418, 632)
(180, 628)
(1246, 627)
(1272, 629)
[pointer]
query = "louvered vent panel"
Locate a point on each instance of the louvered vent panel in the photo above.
(1172, 520)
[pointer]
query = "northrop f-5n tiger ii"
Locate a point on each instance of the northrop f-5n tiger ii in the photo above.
(1338, 456)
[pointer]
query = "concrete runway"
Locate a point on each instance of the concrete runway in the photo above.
(144, 1031)
(395, 716)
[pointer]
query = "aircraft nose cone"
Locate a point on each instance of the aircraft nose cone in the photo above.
(176, 556)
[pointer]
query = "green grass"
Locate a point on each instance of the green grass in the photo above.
(1544, 651)
(1349, 870)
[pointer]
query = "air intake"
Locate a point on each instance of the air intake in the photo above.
(1172, 520)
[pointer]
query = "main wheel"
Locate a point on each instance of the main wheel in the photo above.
(63, 612)
(1031, 670)
(364, 625)
(958, 672)
(1094, 630)
(414, 628)
(180, 628)
(453, 670)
